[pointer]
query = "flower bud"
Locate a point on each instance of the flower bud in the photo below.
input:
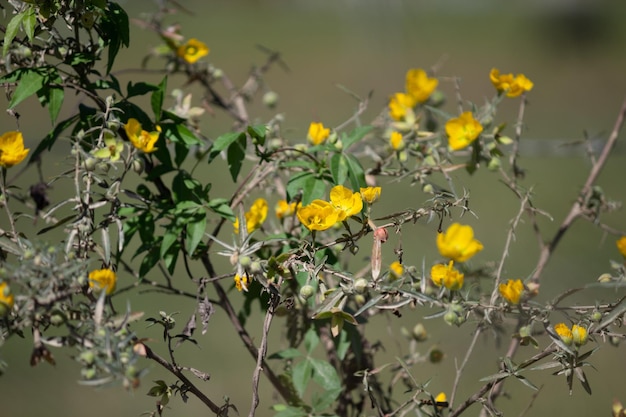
(419, 332)
(450, 317)
(579, 335)
(270, 99)
(360, 285)
(138, 166)
(307, 291)
(525, 331)
(596, 316)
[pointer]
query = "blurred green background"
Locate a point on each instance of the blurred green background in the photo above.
(572, 50)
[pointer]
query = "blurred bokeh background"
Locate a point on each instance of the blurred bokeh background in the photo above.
(573, 50)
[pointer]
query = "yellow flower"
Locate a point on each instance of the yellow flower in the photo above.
(255, 216)
(419, 86)
(113, 148)
(141, 139)
(396, 270)
(103, 279)
(462, 131)
(512, 290)
(317, 133)
(579, 335)
(242, 282)
(370, 194)
(400, 106)
(564, 333)
(6, 299)
(284, 209)
(12, 150)
(441, 399)
(512, 86)
(345, 201)
(319, 215)
(447, 276)
(458, 243)
(621, 245)
(192, 50)
(396, 141)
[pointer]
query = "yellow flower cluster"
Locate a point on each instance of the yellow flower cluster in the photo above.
(447, 276)
(192, 50)
(317, 133)
(6, 299)
(370, 194)
(255, 216)
(284, 209)
(396, 141)
(512, 86)
(419, 85)
(458, 243)
(322, 215)
(141, 139)
(462, 131)
(242, 282)
(419, 88)
(577, 334)
(512, 290)
(396, 270)
(103, 279)
(12, 150)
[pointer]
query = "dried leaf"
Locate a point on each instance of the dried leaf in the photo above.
(205, 310)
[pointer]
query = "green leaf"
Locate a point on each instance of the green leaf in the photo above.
(115, 31)
(30, 82)
(223, 142)
(235, 155)
(355, 172)
(169, 238)
(325, 374)
(258, 132)
(195, 232)
(326, 399)
(301, 375)
(289, 353)
(149, 261)
(314, 188)
(221, 206)
(139, 89)
(311, 340)
(52, 95)
(339, 168)
(182, 133)
(29, 22)
(354, 136)
(296, 183)
(156, 101)
(289, 411)
(50, 139)
(11, 30)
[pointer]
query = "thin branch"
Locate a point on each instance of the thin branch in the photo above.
(460, 369)
(261, 355)
(178, 373)
(578, 207)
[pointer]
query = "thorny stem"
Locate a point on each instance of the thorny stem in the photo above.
(261, 354)
(460, 369)
(578, 208)
(178, 373)
(5, 197)
(576, 211)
